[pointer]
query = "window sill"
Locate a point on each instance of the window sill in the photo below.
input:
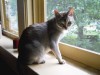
(51, 67)
(9, 34)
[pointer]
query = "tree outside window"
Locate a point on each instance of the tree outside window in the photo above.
(85, 32)
(11, 15)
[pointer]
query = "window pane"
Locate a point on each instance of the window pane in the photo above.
(85, 32)
(11, 15)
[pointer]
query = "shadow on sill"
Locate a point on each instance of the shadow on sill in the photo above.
(8, 65)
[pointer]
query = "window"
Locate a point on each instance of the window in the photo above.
(85, 32)
(10, 15)
(32, 11)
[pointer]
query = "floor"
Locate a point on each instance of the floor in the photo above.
(51, 67)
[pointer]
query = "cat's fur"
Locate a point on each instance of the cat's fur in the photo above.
(38, 38)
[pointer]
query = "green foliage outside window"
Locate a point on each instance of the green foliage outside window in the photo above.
(85, 32)
(11, 15)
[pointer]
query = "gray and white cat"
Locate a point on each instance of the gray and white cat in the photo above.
(38, 38)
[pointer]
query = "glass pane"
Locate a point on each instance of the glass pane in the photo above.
(11, 15)
(85, 32)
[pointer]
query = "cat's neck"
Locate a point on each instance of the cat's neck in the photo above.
(53, 31)
(53, 25)
(51, 21)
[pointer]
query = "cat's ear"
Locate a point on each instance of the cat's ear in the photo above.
(56, 12)
(71, 11)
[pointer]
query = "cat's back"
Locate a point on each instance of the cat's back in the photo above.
(35, 31)
(39, 27)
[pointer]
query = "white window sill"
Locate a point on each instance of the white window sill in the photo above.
(51, 67)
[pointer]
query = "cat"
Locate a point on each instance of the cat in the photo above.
(37, 39)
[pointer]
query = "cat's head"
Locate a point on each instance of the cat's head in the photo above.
(63, 19)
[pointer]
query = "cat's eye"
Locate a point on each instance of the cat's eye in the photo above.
(69, 23)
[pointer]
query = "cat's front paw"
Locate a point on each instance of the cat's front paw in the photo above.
(62, 62)
(42, 62)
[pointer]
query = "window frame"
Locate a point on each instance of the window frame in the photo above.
(81, 55)
(5, 23)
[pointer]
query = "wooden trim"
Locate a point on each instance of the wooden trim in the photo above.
(45, 10)
(3, 17)
(9, 34)
(21, 15)
(84, 56)
(35, 10)
(38, 9)
(41, 11)
(30, 11)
